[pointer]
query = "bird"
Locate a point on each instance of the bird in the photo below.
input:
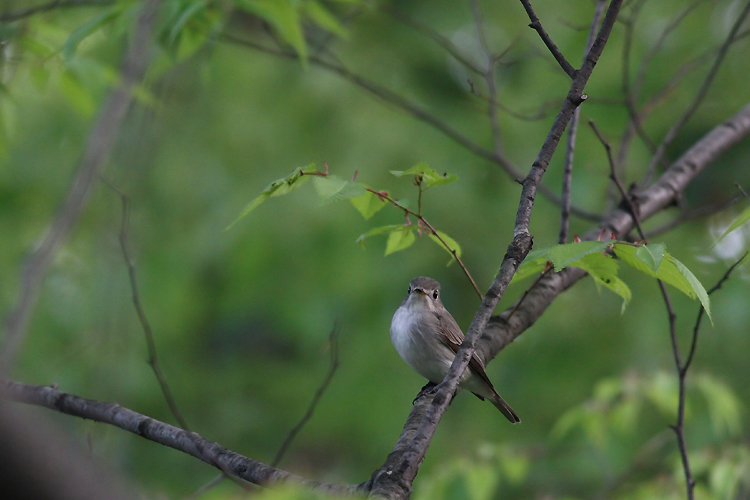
(427, 337)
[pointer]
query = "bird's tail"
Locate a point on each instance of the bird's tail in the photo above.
(504, 408)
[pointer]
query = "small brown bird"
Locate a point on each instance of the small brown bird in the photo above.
(427, 338)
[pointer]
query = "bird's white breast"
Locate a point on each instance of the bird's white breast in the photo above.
(428, 357)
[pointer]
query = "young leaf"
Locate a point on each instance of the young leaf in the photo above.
(428, 175)
(332, 188)
(88, 28)
(535, 262)
(695, 285)
(563, 255)
(368, 204)
(323, 18)
(604, 271)
(627, 254)
(651, 255)
(740, 220)
(376, 231)
(283, 15)
(277, 188)
(451, 243)
(400, 239)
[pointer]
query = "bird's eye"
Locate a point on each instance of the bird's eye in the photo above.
(408, 291)
(435, 294)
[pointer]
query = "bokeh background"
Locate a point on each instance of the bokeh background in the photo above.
(242, 317)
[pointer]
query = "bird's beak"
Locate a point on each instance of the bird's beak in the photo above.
(419, 291)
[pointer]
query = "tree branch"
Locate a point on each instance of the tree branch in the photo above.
(187, 442)
(571, 141)
(536, 24)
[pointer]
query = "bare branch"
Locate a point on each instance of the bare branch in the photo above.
(571, 142)
(333, 342)
(438, 38)
(98, 148)
(153, 359)
(672, 133)
(179, 439)
(536, 24)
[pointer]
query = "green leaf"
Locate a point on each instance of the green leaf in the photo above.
(283, 15)
(740, 220)
(534, 263)
(723, 405)
(368, 204)
(323, 18)
(427, 174)
(88, 28)
(400, 239)
(451, 243)
(277, 188)
(651, 255)
(626, 253)
(670, 270)
(563, 255)
(695, 286)
(185, 16)
(332, 188)
(377, 231)
(604, 271)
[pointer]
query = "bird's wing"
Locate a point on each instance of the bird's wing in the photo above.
(453, 337)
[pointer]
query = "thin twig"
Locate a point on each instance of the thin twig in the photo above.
(438, 38)
(742, 190)
(100, 143)
(153, 359)
(333, 342)
(693, 214)
(613, 175)
(433, 231)
(702, 311)
(672, 133)
(206, 487)
(570, 144)
(536, 24)
(489, 76)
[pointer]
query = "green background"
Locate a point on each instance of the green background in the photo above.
(242, 317)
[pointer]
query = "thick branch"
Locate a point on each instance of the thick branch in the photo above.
(159, 432)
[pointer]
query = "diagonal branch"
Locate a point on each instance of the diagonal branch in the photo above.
(179, 439)
(570, 144)
(536, 24)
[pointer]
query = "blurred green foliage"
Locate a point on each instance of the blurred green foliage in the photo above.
(242, 317)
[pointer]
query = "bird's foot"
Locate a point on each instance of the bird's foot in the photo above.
(429, 389)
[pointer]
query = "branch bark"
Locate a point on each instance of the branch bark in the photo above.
(187, 442)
